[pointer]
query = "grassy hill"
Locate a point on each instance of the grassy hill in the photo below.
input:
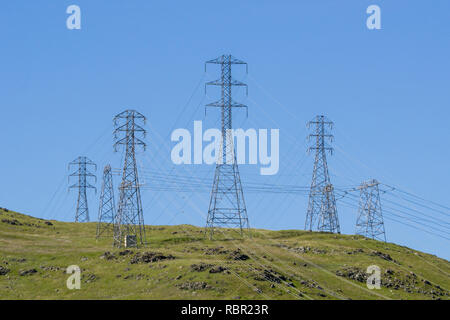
(179, 263)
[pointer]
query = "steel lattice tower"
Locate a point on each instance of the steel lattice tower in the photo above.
(130, 218)
(370, 217)
(227, 205)
(82, 172)
(322, 212)
(107, 210)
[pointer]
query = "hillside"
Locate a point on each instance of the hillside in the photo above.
(179, 263)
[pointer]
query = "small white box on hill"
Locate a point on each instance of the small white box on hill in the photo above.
(130, 241)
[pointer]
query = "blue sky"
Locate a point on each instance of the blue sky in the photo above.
(386, 90)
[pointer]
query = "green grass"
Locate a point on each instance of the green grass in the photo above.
(301, 265)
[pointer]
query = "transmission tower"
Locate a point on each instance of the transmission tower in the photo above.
(370, 217)
(106, 211)
(322, 212)
(83, 174)
(129, 229)
(227, 205)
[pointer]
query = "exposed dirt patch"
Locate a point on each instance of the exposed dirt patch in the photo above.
(201, 267)
(408, 282)
(140, 276)
(50, 268)
(356, 251)
(108, 256)
(310, 284)
(218, 269)
(215, 251)
(212, 268)
(270, 275)
(309, 250)
(382, 255)
(27, 272)
(13, 222)
(125, 252)
(353, 273)
(147, 257)
(3, 271)
(90, 278)
(200, 285)
(238, 255)
(302, 249)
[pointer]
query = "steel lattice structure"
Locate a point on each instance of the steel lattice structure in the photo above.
(129, 220)
(83, 174)
(227, 205)
(107, 209)
(322, 212)
(370, 216)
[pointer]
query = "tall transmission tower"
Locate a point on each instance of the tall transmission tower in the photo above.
(107, 210)
(227, 205)
(129, 228)
(322, 212)
(370, 217)
(83, 174)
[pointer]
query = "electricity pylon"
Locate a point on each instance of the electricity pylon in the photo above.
(370, 216)
(322, 212)
(107, 210)
(82, 172)
(129, 228)
(227, 205)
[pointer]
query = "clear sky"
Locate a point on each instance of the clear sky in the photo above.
(386, 90)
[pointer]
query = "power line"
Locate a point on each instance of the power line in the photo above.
(436, 220)
(447, 214)
(388, 215)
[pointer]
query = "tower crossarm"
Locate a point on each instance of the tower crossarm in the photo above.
(226, 59)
